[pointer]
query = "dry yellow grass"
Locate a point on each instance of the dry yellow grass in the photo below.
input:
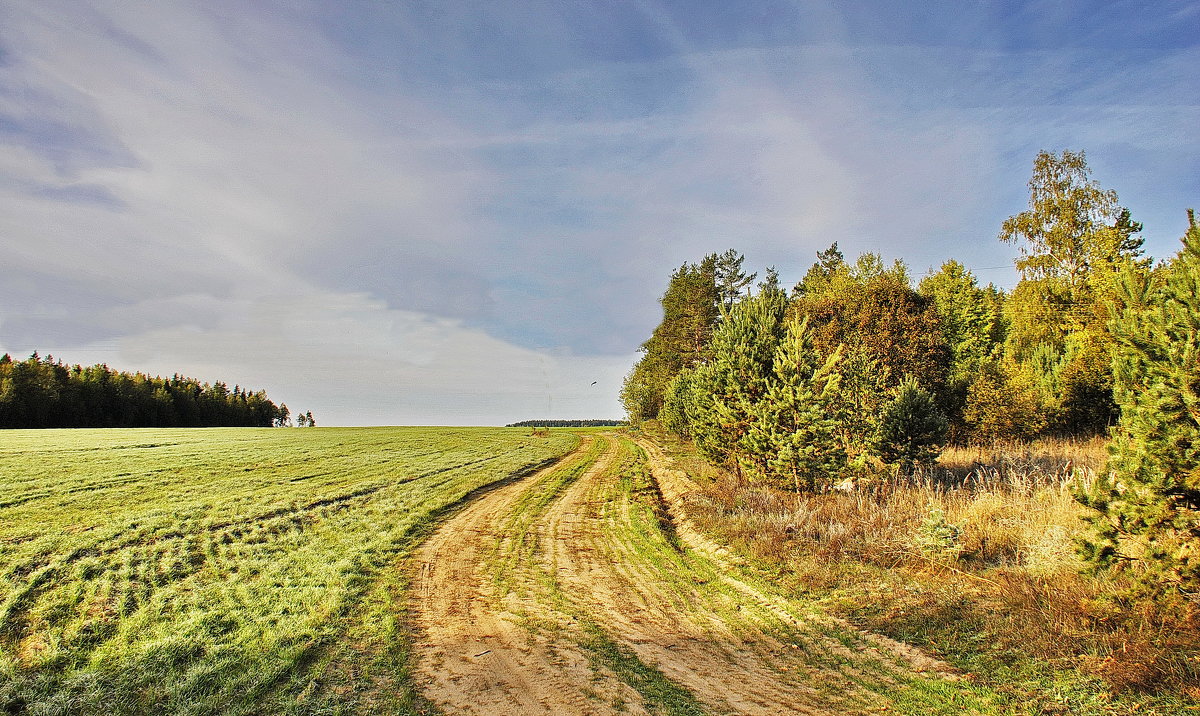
(974, 558)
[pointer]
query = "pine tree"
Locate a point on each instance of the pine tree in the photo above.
(970, 316)
(862, 390)
(730, 278)
(795, 431)
(912, 430)
(736, 377)
(821, 274)
(1148, 503)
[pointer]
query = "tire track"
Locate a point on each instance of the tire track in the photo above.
(591, 543)
(585, 589)
(476, 655)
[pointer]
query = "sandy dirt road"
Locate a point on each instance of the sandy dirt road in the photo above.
(584, 589)
(476, 655)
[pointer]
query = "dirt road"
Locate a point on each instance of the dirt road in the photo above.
(584, 589)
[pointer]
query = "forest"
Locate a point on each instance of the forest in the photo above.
(855, 373)
(46, 393)
(566, 424)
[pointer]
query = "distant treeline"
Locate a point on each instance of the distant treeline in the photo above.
(567, 424)
(45, 393)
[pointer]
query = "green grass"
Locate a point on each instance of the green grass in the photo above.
(692, 576)
(224, 570)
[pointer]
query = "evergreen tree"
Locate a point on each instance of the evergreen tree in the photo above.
(680, 404)
(793, 439)
(973, 325)
(912, 430)
(830, 263)
(770, 281)
(736, 377)
(862, 390)
(731, 280)
(45, 393)
(970, 316)
(1148, 503)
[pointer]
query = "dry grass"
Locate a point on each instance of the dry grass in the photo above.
(1008, 509)
(974, 558)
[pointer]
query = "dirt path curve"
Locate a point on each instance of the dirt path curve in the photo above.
(585, 589)
(675, 486)
(475, 656)
(603, 558)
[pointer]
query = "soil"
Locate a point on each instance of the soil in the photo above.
(510, 636)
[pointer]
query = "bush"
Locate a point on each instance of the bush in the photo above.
(680, 404)
(999, 408)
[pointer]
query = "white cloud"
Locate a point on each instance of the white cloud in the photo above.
(440, 214)
(243, 165)
(353, 361)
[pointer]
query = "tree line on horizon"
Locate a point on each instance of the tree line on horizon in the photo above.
(46, 393)
(855, 366)
(556, 423)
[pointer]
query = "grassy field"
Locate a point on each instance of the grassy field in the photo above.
(268, 571)
(223, 570)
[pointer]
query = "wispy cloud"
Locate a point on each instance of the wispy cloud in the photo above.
(322, 196)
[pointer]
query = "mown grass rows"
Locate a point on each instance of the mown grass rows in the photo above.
(205, 571)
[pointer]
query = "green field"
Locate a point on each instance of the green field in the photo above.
(223, 570)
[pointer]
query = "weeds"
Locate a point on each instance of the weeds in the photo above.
(974, 559)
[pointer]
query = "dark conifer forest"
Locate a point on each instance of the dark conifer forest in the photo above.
(46, 393)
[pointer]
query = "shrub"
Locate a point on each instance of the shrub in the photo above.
(680, 404)
(999, 408)
(937, 537)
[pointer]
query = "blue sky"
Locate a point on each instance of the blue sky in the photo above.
(464, 212)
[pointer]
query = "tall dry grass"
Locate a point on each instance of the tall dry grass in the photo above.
(983, 543)
(1006, 507)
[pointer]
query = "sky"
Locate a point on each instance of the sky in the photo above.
(461, 213)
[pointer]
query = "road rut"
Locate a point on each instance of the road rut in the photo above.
(511, 593)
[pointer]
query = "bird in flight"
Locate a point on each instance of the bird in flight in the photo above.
(595, 381)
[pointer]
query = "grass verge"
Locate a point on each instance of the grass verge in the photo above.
(973, 562)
